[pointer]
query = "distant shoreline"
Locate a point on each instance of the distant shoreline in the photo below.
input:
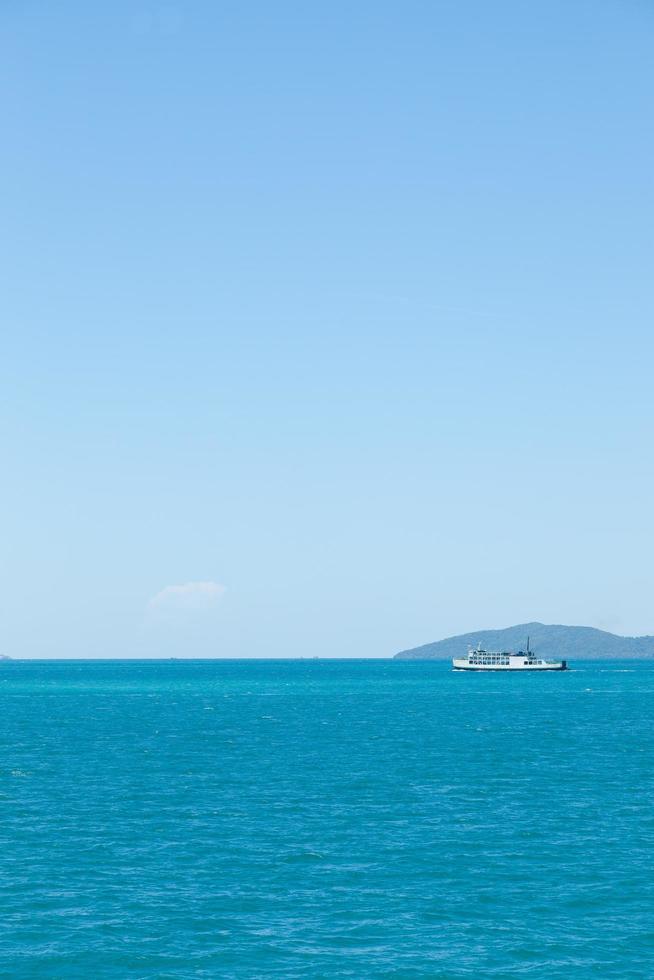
(553, 640)
(297, 660)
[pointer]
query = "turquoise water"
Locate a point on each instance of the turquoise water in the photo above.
(325, 819)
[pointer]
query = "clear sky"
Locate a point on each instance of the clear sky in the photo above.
(326, 327)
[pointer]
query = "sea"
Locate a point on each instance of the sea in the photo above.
(325, 818)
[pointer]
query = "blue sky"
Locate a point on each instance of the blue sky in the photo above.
(327, 328)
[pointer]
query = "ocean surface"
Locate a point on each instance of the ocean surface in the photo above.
(306, 819)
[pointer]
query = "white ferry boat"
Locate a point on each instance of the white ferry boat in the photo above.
(481, 659)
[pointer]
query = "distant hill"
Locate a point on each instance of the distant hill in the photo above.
(569, 642)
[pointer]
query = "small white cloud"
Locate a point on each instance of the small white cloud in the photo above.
(191, 596)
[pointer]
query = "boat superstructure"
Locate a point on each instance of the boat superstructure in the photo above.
(481, 659)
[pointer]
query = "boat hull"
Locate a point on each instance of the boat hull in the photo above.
(503, 669)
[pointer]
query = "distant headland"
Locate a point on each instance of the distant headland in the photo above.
(565, 642)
